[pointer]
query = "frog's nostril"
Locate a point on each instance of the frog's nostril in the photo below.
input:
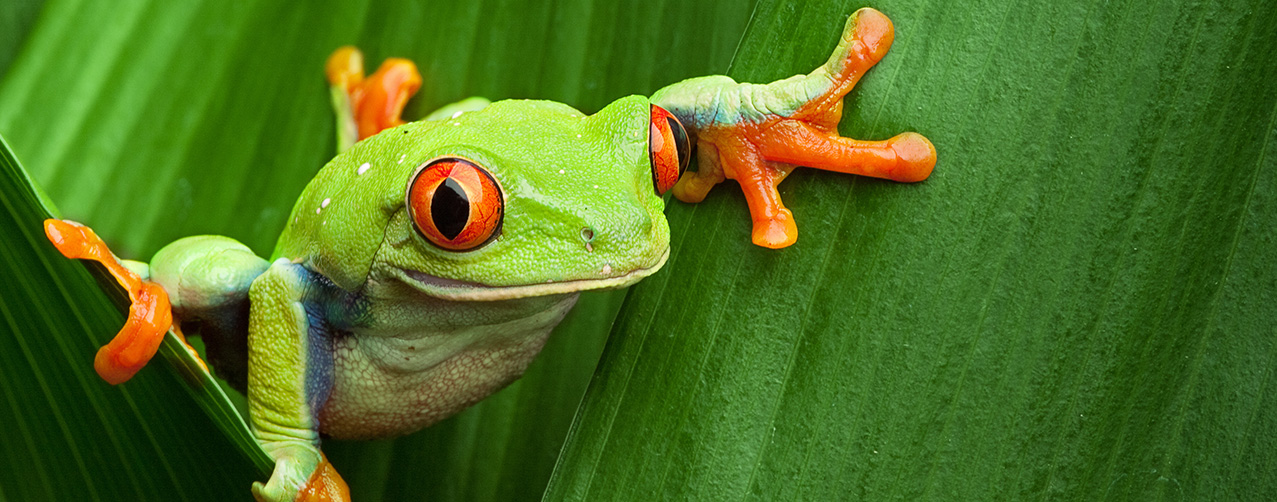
(587, 235)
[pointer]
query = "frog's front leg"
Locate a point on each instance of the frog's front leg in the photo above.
(757, 134)
(289, 379)
(150, 314)
(366, 106)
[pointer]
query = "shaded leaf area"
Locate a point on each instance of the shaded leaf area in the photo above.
(1078, 305)
(16, 18)
(70, 436)
(155, 120)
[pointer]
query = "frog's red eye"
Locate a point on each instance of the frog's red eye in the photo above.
(455, 204)
(668, 148)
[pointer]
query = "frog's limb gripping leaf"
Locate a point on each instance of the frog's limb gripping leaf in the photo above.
(176, 328)
(149, 314)
(757, 134)
(325, 485)
(366, 106)
(283, 391)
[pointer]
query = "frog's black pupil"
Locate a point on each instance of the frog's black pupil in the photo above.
(680, 142)
(450, 208)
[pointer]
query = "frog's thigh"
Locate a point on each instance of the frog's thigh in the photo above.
(289, 375)
(207, 278)
(205, 273)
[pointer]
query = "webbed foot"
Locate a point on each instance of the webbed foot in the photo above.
(757, 134)
(323, 484)
(150, 315)
(366, 106)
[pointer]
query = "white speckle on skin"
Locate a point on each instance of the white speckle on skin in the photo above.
(401, 157)
(456, 123)
(607, 269)
(458, 114)
(596, 186)
(578, 135)
(561, 171)
(318, 210)
(326, 202)
(363, 168)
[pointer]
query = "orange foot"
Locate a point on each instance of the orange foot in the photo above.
(366, 106)
(758, 134)
(325, 485)
(149, 315)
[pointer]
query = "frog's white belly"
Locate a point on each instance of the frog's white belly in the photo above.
(387, 383)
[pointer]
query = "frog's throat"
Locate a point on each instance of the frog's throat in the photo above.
(452, 289)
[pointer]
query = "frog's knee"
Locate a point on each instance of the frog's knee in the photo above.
(206, 272)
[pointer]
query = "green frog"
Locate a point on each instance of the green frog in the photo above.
(422, 269)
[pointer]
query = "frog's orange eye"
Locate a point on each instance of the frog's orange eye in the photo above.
(455, 204)
(668, 148)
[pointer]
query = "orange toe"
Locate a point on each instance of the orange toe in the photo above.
(385, 93)
(776, 232)
(376, 101)
(874, 32)
(150, 314)
(915, 155)
(345, 67)
(325, 485)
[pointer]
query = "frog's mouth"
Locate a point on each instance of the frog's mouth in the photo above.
(452, 289)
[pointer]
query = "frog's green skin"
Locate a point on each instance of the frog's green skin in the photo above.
(357, 327)
(360, 328)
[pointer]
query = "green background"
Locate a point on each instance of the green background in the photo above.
(1079, 304)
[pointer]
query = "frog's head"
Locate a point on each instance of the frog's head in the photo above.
(529, 198)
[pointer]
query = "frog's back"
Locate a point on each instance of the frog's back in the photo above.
(339, 221)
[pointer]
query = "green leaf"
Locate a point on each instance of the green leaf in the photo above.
(151, 121)
(16, 17)
(1077, 305)
(68, 434)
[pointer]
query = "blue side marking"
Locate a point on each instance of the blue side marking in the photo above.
(330, 311)
(319, 359)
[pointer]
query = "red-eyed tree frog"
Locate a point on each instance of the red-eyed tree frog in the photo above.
(423, 268)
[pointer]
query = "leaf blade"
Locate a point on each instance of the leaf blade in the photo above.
(1007, 329)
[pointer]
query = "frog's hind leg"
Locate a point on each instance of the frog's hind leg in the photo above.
(208, 278)
(366, 106)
